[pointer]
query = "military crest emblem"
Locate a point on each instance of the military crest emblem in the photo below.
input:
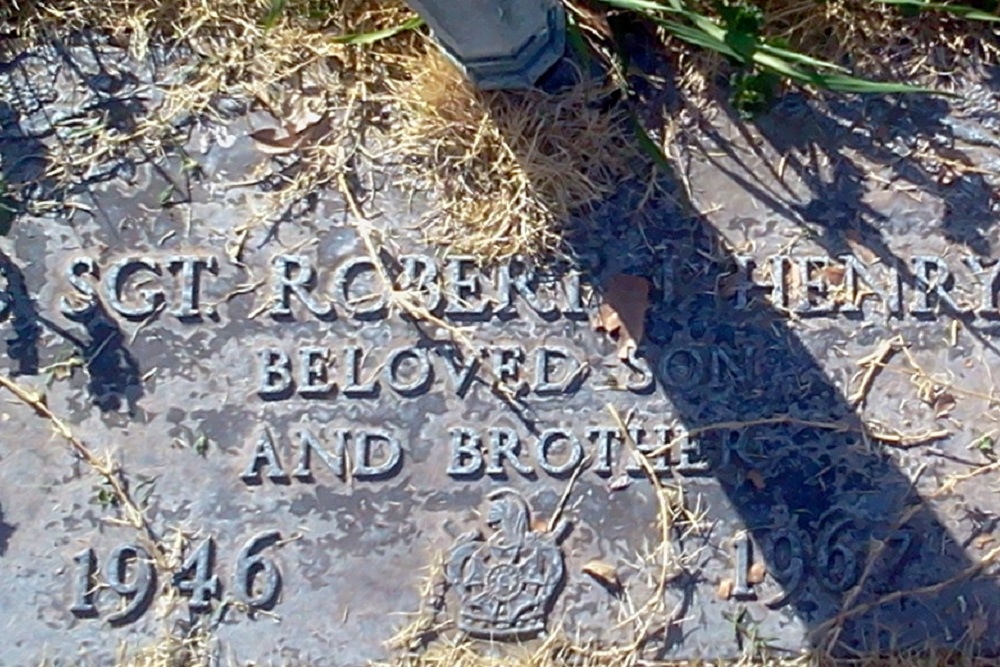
(506, 581)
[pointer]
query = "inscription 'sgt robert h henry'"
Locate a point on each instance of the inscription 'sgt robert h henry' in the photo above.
(506, 582)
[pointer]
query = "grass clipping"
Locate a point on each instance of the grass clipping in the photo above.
(507, 170)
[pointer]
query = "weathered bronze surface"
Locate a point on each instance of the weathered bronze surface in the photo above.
(816, 379)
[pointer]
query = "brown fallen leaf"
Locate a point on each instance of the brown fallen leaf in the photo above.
(756, 573)
(605, 573)
(944, 403)
(756, 479)
(620, 482)
(725, 589)
(290, 139)
(833, 274)
(539, 525)
(623, 311)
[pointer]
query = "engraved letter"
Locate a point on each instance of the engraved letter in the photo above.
(660, 465)
(264, 454)
(936, 285)
(546, 442)
(114, 285)
(689, 457)
(810, 286)
(190, 268)
(355, 388)
(370, 306)
(574, 296)
(420, 274)
(570, 380)
(461, 374)
(313, 377)
(466, 452)
(726, 372)
(504, 444)
(855, 269)
(421, 373)
(645, 381)
(606, 437)
(334, 460)
(506, 360)
(82, 304)
(988, 298)
(463, 283)
(744, 280)
(297, 276)
(778, 297)
(275, 374)
(524, 281)
(682, 368)
(377, 455)
(667, 281)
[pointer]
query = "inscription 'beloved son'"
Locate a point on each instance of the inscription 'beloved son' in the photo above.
(354, 372)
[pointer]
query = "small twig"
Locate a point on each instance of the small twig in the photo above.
(871, 365)
(554, 519)
(133, 515)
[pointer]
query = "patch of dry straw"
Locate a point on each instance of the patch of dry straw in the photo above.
(509, 169)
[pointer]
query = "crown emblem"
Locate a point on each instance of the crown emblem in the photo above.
(506, 581)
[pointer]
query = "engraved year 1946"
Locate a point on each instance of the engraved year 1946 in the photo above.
(130, 573)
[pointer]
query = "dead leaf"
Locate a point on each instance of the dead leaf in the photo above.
(623, 311)
(274, 142)
(944, 403)
(756, 573)
(539, 525)
(620, 482)
(833, 274)
(858, 247)
(756, 479)
(605, 573)
(725, 589)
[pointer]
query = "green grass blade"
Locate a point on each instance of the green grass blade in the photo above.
(699, 38)
(273, 13)
(800, 58)
(648, 146)
(841, 83)
(379, 35)
(844, 83)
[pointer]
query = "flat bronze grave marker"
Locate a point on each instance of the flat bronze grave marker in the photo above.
(311, 467)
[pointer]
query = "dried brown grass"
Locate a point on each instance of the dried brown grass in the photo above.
(509, 169)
